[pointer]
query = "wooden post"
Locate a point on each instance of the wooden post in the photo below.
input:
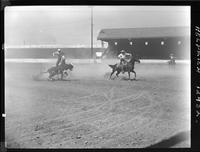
(92, 55)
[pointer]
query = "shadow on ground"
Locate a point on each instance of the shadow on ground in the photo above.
(176, 139)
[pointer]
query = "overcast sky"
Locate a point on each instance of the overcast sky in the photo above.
(71, 25)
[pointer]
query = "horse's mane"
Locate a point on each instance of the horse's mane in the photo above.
(132, 59)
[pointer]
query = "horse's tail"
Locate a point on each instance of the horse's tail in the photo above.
(113, 66)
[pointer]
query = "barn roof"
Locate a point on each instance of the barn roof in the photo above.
(150, 32)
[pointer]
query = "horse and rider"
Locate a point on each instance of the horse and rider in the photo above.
(60, 59)
(124, 59)
(172, 59)
(127, 63)
(61, 66)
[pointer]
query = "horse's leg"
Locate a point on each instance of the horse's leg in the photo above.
(134, 73)
(65, 73)
(112, 73)
(118, 72)
(51, 75)
(129, 74)
(55, 73)
(58, 73)
(58, 76)
(61, 77)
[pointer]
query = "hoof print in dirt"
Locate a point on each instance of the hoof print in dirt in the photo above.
(78, 137)
(37, 128)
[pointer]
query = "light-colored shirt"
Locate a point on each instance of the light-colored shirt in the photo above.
(126, 56)
(122, 56)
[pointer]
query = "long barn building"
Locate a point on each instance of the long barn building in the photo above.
(148, 43)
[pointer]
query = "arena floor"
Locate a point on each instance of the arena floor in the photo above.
(90, 111)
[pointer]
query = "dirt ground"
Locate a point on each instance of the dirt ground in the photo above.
(90, 111)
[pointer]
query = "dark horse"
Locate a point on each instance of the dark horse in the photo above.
(62, 69)
(129, 67)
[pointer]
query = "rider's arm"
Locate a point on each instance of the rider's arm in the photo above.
(55, 53)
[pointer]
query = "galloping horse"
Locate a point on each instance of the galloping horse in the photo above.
(62, 69)
(129, 67)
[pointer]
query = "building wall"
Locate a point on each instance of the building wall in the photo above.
(179, 46)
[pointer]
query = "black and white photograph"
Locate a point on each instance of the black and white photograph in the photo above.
(95, 76)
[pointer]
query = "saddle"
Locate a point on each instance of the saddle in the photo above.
(60, 67)
(123, 65)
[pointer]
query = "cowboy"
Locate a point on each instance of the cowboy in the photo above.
(60, 59)
(172, 58)
(124, 58)
(60, 55)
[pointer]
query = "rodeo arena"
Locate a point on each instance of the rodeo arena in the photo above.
(131, 92)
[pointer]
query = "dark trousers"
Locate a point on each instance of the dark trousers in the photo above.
(122, 61)
(58, 61)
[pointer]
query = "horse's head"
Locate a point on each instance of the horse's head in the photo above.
(70, 66)
(135, 59)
